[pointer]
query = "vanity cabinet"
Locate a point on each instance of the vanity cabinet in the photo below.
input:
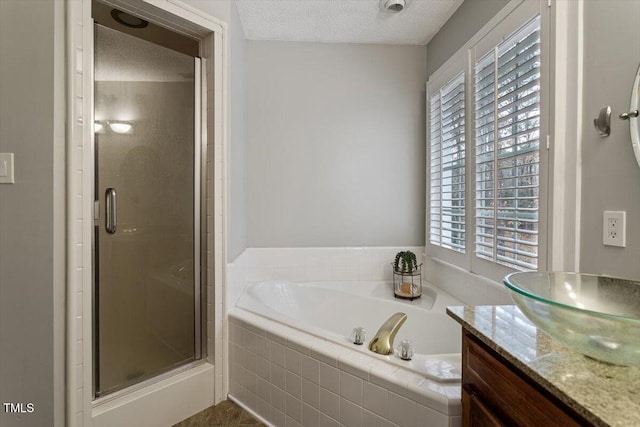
(495, 393)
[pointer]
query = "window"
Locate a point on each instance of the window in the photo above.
(507, 150)
(487, 173)
(447, 195)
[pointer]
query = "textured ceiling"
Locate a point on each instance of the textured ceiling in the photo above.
(344, 21)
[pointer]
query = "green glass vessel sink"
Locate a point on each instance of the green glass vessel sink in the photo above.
(595, 315)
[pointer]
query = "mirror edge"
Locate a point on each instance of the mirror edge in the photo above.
(634, 122)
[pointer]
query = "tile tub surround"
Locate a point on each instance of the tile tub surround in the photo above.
(291, 378)
(353, 264)
(604, 394)
(311, 265)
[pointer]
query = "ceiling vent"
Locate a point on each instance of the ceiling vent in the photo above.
(394, 5)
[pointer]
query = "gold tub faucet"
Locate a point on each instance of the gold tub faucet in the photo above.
(382, 342)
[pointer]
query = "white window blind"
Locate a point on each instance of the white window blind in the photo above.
(507, 150)
(447, 168)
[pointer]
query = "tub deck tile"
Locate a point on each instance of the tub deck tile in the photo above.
(310, 416)
(356, 364)
(311, 394)
(327, 352)
(330, 378)
(311, 369)
(277, 336)
(277, 354)
(370, 419)
(432, 394)
(293, 361)
(388, 381)
(299, 341)
(376, 399)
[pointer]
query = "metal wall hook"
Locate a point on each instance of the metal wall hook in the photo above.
(603, 122)
(630, 114)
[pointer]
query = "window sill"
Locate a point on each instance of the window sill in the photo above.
(470, 288)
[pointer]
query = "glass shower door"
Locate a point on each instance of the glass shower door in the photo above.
(147, 284)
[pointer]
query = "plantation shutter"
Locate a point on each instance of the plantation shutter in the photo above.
(447, 170)
(507, 145)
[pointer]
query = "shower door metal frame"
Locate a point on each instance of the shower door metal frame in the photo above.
(200, 211)
(199, 244)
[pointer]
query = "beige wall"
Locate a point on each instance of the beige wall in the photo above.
(32, 211)
(467, 20)
(336, 144)
(610, 175)
(227, 11)
(237, 207)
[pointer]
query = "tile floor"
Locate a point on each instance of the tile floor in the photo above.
(225, 413)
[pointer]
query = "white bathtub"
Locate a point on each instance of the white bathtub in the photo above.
(312, 322)
(332, 309)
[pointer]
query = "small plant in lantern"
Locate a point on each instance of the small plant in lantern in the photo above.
(407, 276)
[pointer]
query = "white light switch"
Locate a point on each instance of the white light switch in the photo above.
(6, 168)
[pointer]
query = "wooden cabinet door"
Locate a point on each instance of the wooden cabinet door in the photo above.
(475, 413)
(498, 394)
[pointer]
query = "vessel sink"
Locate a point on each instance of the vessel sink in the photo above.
(594, 315)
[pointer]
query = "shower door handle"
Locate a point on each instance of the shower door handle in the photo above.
(111, 210)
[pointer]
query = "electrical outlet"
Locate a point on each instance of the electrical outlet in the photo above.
(614, 228)
(6, 168)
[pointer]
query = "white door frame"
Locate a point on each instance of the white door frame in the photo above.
(179, 17)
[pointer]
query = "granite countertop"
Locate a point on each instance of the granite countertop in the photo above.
(606, 395)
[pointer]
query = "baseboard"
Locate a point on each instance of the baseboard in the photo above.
(249, 410)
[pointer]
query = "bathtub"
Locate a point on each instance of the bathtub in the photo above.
(292, 363)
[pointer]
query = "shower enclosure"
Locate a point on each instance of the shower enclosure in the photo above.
(147, 312)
